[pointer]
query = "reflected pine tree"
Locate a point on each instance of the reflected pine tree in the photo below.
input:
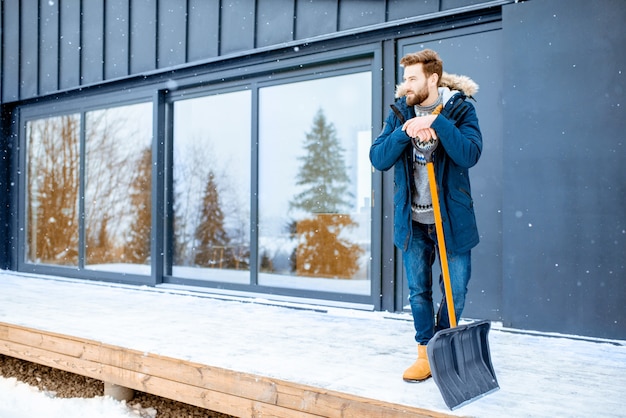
(209, 223)
(212, 240)
(321, 250)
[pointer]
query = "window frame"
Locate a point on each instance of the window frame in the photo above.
(162, 92)
(319, 66)
(55, 107)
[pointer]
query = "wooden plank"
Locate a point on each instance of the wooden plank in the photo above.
(193, 395)
(44, 340)
(214, 388)
(239, 384)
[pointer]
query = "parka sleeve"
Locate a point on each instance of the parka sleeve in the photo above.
(388, 147)
(463, 142)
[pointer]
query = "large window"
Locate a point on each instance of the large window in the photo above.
(88, 195)
(211, 176)
(261, 186)
(315, 184)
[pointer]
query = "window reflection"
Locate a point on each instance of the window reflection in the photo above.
(211, 189)
(315, 183)
(118, 177)
(53, 164)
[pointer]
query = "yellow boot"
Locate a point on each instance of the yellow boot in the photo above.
(420, 370)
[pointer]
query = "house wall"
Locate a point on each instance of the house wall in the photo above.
(563, 222)
(549, 189)
(52, 46)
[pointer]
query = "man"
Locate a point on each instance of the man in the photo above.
(431, 111)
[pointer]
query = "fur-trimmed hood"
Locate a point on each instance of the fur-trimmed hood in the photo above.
(452, 82)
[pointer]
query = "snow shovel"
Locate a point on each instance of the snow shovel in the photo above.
(459, 357)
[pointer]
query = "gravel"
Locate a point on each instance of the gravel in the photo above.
(69, 385)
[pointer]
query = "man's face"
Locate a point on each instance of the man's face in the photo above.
(416, 85)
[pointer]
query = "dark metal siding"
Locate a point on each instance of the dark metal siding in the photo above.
(10, 51)
(143, 35)
(29, 48)
(74, 43)
(237, 26)
(275, 22)
(399, 9)
(172, 33)
(203, 32)
(69, 44)
(453, 4)
(564, 194)
(116, 38)
(315, 19)
(49, 47)
(354, 14)
(92, 42)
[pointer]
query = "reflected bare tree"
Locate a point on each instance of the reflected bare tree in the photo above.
(53, 187)
(138, 239)
(190, 173)
(114, 160)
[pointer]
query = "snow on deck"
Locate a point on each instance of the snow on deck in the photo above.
(352, 351)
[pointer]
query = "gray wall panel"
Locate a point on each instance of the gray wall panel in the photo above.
(69, 44)
(203, 30)
(116, 38)
(237, 26)
(48, 46)
(357, 13)
(453, 4)
(274, 21)
(564, 180)
(10, 51)
(402, 9)
(172, 33)
(143, 30)
(314, 19)
(29, 48)
(92, 42)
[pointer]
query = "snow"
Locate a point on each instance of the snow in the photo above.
(354, 351)
(18, 400)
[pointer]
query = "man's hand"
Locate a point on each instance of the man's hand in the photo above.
(425, 135)
(419, 127)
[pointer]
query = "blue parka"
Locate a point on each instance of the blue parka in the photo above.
(460, 146)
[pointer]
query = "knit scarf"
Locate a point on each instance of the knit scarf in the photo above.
(422, 204)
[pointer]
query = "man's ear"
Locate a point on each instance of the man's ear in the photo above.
(434, 78)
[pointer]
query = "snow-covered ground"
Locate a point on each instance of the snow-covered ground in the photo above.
(18, 400)
(358, 352)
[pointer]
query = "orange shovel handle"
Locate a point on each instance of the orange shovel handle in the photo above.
(443, 255)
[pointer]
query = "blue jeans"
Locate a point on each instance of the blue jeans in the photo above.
(418, 262)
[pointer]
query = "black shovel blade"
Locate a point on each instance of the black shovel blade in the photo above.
(460, 363)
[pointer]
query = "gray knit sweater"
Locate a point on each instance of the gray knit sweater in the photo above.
(422, 205)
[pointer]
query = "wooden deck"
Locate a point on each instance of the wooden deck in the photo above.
(217, 389)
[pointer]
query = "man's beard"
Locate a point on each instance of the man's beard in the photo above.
(418, 97)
